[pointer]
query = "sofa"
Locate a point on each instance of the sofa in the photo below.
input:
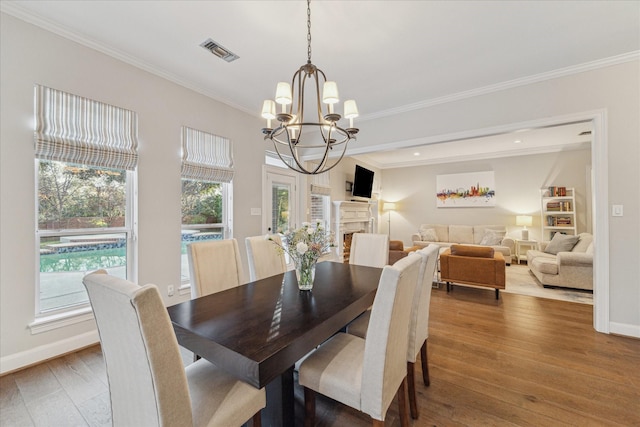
(567, 267)
(473, 265)
(493, 236)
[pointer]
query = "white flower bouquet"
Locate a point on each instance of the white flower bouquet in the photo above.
(304, 246)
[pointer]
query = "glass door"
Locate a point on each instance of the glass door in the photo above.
(281, 199)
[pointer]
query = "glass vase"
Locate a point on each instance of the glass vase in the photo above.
(305, 273)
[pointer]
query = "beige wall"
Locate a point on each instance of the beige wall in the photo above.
(31, 55)
(518, 181)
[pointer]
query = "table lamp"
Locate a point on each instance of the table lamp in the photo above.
(524, 221)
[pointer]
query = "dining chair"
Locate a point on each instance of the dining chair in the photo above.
(419, 325)
(148, 384)
(367, 374)
(369, 249)
(215, 266)
(264, 258)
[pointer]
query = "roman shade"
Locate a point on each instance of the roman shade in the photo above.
(206, 157)
(320, 183)
(73, 129)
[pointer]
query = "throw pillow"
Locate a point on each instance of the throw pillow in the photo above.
(429, 235)
(491, 238)
(561, 243)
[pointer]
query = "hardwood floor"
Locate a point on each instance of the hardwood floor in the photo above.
(518, 361)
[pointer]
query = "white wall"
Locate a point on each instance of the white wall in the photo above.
(518, 181)
(31, 56)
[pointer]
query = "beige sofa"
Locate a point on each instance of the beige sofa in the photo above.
(484, 235)
(567, 269)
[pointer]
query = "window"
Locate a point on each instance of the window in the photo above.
(207, 171)
(85, 155)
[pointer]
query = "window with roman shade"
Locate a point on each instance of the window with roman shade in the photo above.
(207, 174)
(86, 155)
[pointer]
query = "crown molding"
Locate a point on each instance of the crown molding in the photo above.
(562, 72)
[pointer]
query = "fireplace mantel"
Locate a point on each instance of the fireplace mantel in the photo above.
(352, 217)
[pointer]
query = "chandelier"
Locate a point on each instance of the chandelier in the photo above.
(292, 138)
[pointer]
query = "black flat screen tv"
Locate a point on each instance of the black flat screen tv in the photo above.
(362, 183)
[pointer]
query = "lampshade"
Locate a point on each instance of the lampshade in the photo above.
(388, 206)
(330, 93)
(524, 220)
(269, 109)
(283, 93)
(350, 109)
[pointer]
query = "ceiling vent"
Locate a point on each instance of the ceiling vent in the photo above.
(218, 50)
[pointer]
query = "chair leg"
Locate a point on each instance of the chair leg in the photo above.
(413, 406)
(402, 403)
(425, 364)
(257, 419)
(497, 293)
(309, 407)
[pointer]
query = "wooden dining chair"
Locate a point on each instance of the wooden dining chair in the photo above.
(367, 374)
(419, 325)
(264, 258)
(148, 384)
(215, 266)
(369, 249)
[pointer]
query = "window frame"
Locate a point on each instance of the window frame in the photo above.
(226, 225)
(129, 230)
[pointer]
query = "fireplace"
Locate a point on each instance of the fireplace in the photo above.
(349, 218)
(346, 246)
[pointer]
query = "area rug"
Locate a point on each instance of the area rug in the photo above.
(521, 281)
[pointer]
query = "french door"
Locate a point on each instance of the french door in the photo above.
(280, 200)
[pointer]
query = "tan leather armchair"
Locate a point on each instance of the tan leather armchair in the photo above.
(396, 251)
(473, 265)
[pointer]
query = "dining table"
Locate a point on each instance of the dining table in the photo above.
(258, 331)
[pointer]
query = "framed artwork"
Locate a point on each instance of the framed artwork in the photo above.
(464, 190)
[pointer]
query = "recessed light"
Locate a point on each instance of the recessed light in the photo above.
(517, 141)
(416, 154)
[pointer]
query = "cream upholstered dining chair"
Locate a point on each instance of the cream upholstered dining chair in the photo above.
(148, 384)
(369, 249)
(264, 258)
(367, 374)
(419, 325)
(215, 266)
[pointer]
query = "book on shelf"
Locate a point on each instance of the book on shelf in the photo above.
(559, 206)
(557, 191)
(559, 221)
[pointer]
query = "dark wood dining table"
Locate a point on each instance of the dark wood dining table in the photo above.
(258, 331)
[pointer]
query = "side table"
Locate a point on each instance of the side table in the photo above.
(521, 248)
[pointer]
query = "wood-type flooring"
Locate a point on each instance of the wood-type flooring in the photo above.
(518, 361)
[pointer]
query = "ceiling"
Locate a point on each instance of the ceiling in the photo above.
(390, 56)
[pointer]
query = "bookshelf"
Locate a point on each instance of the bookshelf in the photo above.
(558, 211)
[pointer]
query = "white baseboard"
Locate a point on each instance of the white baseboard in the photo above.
(624, 329)
(39, 354)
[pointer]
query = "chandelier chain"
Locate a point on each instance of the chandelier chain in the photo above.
(309, 31)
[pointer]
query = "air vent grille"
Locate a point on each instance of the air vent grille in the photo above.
(218, 50)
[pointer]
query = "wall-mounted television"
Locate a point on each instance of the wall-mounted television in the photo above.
(362, 183)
